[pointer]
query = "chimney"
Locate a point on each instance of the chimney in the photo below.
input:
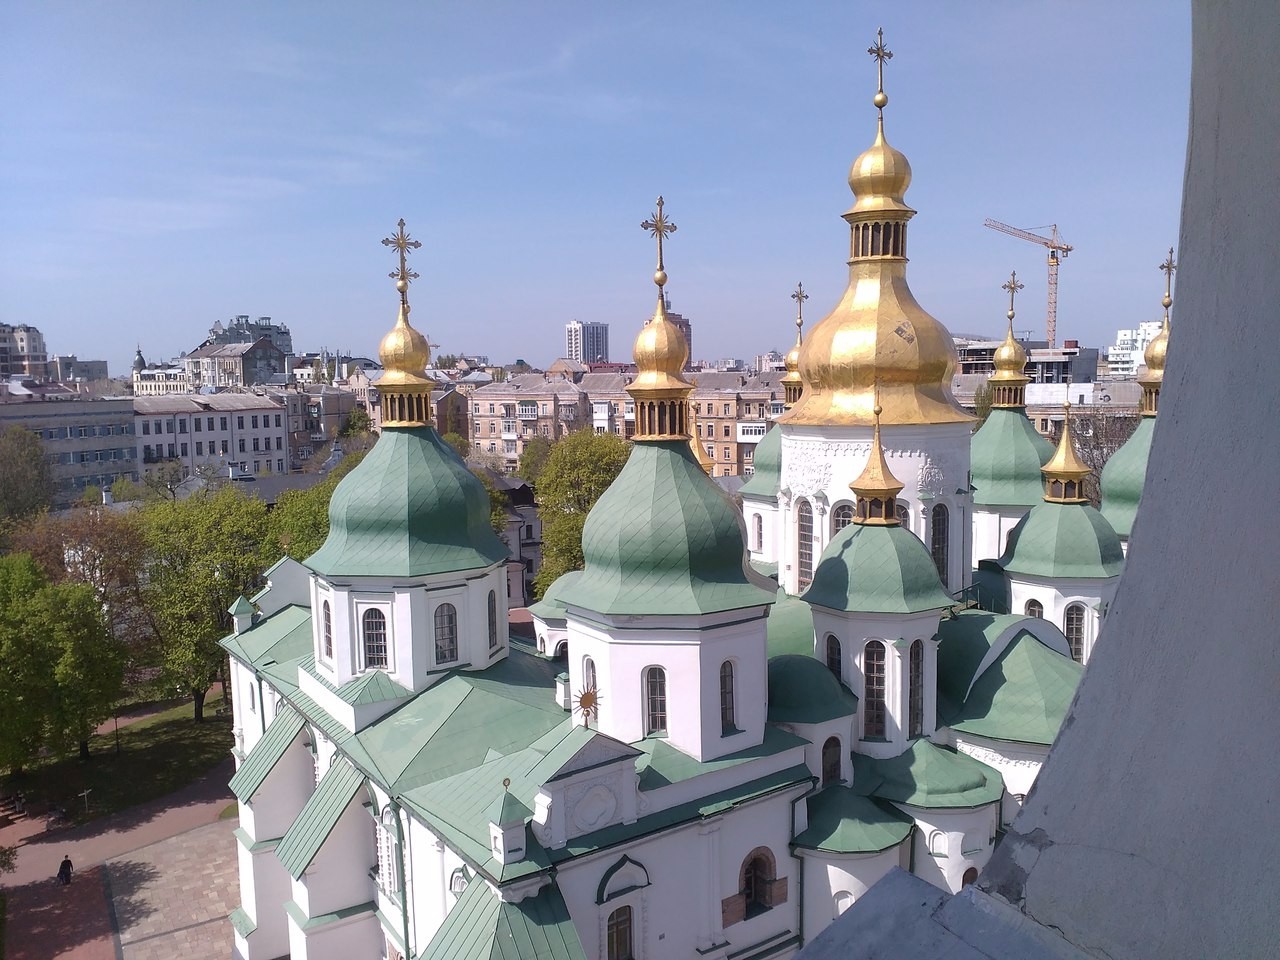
(107, 498)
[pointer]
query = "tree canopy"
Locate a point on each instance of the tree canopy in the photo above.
(26, 479)
(534, 459)
(300, 518)
(579, 469)
(982, 398)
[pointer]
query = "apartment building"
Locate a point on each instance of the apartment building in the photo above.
(586, 342)
(731, 413)
(212, 432)
(224, 365)
(22, 351)
(71, 368)
(505, 415)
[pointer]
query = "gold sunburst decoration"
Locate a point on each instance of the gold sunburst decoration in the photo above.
(587, 704)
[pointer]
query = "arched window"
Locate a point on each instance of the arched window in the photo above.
(757, 528)
(1073, 627)
(831, 761)
(873, 690)
(969, 877)
(833, 655)
(493, 619)
(841, 517)
(446, 633)
(618, 935)
(939, 521)
(388, 852)
(756, 881)
(374, 623)
(1034, 608)
(588, 673)
(915, 693)
(804, 542)
(903, 513)
(727, 717)
(655, 701)
(328, 631)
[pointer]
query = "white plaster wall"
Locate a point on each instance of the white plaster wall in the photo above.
(767, 549)
(930, 460)
(264, 888)
(1019, 765)
(247, 724)
(991, 527)
(276, 804)
(288, 582)
(965, 838)
(833, 882)
(1096, 595)
(339, 875)
(356, 937)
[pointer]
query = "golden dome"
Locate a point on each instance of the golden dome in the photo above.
(661, 353)
(1010, 357)
(404, 351)
(1065, 471)
(1152, 379)
(879, 177)
(1154, 355)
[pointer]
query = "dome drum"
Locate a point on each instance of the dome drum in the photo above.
(659, 418)
(408, 406)
(878, 239)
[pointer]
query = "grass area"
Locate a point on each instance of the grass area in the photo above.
(157, 756)
(229, 812)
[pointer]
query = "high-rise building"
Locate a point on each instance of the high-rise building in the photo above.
(22, 351)
(586, 342)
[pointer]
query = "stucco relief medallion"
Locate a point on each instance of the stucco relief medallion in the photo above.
(595, 809)
(993, 759)
(808, 471)
(931, 481)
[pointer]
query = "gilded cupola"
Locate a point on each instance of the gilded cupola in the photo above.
(1153, 379)
(792, 382)
(876, 488)
(660, 391)
(403, 388)
(1009, 382)
(1065, 472)
(878, 333)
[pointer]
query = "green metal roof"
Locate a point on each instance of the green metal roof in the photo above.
(1023, 697)
(410, 508)
(1005, 457)
(767, 465)
(666, 765)
(663, 539)
(507, 810)
(240, 607)
(285, 635)
(927, 775)
(789, 628)
(1124, 476)
(842, 821)
(319, 815)
(766, 569)
(481, 926)
(266, 753)
(1065, 541)
(549, 608)
(991, 586)
(803, 690)
(372, 686)
(963, 643)
(877, 569)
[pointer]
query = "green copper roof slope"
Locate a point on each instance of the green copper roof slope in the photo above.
(481, 926)
(964, 641)
(875, 569)
(319, 815)
(1005, 458)
(1068, 541)
(927, 775)
(802, 690)
(663, 539)
(766, 463)
(841, 821)
(550, 608)
(1022, 697)
(1124, 476)
(281, 637)
(266, 753)
(790, 626)
(410, 508)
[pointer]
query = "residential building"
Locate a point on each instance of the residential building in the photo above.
(1069, 363)
(87, 442)
(1125, 355)
(22, 352)
(586, 342)
(159, 379)
(241, 329)
(223, 365)
(731, 413)
(208, 433)
(505, 415)
(69, 369)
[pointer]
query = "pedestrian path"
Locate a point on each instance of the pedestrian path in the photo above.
(47, 921)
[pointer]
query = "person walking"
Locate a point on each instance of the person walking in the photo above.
(64, 871)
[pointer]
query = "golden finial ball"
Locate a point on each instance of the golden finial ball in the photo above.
(1167, 302)
(402, 285)
(660, 278)
(877, 410)
(880, 100)
(1009, 315)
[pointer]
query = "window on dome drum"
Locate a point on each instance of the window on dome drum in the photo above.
(804, 542)
(757, 530)
(833, 655)
(873, 690)
(374, 624)
(903, 513)
(726, 698)
(915, 695)
(831, 761)
(328, 631)
(841, 517)
(618, 935)
(493, 619)
(939, 519)
(446, 633)
(1034, 608)
(655, 694)
(1073, 627)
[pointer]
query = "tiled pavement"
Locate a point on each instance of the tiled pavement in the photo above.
(171, 899)
(60, 923)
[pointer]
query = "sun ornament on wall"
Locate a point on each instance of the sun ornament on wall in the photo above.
(587, 704)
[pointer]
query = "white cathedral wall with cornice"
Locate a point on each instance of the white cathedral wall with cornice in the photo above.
(763, 522)
(930, 460)
(1019, 765)
(950, 842)
(991, 528)
(833, 881)
(1055, 596)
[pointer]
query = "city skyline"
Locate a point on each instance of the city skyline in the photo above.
(213, 162)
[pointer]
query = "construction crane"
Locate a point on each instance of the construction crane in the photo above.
(1056, 248)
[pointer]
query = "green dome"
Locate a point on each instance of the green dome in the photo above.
(1124, 476)
(410, 508)
(1069, 541)
(663, 539)
(1005, 457)
(550, 607)
(928, 775)
(803, 690)
(790, 626)
(767, 464)
(877, 569)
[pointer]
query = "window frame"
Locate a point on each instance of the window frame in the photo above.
(369, 640)
(654, 691)
(874, 708)
(728, 706)
(804, 543)
(444, 621)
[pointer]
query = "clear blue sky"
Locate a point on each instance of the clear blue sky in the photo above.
(166, 165)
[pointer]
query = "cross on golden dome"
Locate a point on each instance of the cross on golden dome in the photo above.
(799, 297)
(659, 226)
(400, 240)
(881, 53)
(1013, 286)
(1168, 267)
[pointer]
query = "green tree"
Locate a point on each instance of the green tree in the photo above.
(164, 480)
(26, 479)
(447, 361)
(300, 519)
(88, 662)
(499, 503)
(982, 398)
(534, 459)
(578, 470)
(205, 552)
(459, 444)
(358, 423)
(26, 682)
(125, 490)
(91, 496)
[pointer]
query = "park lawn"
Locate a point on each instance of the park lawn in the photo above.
(158, 755)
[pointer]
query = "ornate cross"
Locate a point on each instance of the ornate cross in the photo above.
(1013, 286)
(400, 240)
(1168, 267)
(799, 297)
(881, 53)
(659, 226)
